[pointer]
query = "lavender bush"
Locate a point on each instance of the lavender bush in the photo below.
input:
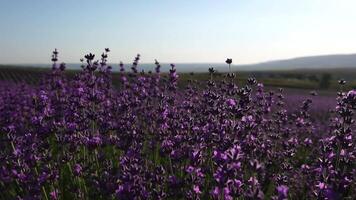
(84, 139)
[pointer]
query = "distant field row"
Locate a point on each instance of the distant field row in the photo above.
(310, 80)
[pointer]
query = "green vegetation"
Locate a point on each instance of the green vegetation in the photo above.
(325, 81)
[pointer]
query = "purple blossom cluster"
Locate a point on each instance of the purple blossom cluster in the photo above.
(82, 138)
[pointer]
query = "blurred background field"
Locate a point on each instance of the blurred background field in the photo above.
(325, 81)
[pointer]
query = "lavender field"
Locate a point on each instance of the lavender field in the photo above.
(147, 138)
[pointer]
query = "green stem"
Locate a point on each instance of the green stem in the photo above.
(44, 192)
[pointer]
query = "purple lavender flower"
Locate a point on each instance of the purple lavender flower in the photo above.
(231, 102)
(149, 138)
(282, 192)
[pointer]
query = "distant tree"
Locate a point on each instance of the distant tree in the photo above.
(325, 81)
(272, 75)
(299, 76)
(313, 77)
(217, 73)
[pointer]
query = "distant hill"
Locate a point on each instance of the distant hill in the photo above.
(309, 62)
(338, 61)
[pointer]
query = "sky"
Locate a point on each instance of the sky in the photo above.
(175, 31)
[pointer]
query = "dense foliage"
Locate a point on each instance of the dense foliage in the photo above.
(83, 139)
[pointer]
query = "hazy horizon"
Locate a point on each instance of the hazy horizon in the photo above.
(49, 62)
(176, 32)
